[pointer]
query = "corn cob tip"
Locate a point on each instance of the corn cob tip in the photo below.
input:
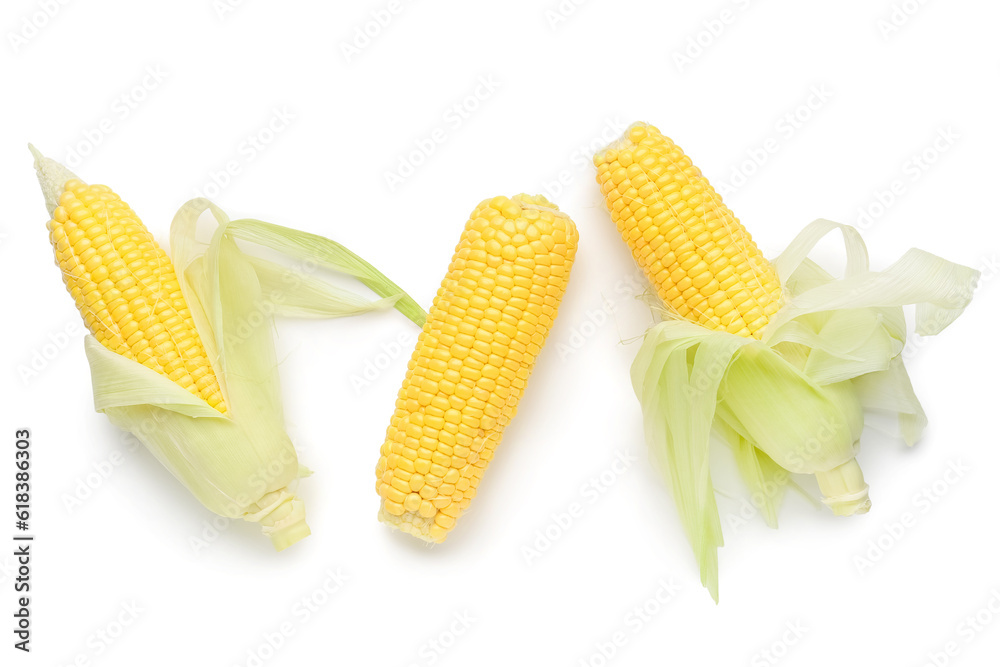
(536, 202)
(635, 133)
(411, 523)
(703, 263)
(52, 176)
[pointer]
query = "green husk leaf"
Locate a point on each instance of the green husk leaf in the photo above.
(891, 392)
(229, 464)
(850, 342)
(241, 464)
(329, 254)
(122, 382)
(792, 402)
(940, 289)
(677, 354)
(803, 426)
(766, 480)
(310, 297)
(797, 252)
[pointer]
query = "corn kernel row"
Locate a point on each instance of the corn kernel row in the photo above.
(125, 288)
(702, 262)
(487, 324)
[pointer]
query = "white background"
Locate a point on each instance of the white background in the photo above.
(561, 81)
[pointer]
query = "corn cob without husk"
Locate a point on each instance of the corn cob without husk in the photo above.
(485, 328)
(779, 359)
(698, 257)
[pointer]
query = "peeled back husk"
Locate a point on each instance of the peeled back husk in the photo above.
(794, 401)
(242, 464)
(802, 426)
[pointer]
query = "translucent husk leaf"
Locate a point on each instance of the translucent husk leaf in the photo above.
(314, 249)
(242, 464)
(890, 392)
(312, 298)
(676, 377)
(766, 480)
(792, 402)
(802, 426)
(237, 467)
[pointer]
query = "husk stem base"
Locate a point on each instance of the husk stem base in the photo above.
(844, 489)
(283, 519)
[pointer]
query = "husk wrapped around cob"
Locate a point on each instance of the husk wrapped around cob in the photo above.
(780, 359)
(184, 359)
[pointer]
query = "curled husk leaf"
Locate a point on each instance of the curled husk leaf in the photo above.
(241, 464)
(793, 401)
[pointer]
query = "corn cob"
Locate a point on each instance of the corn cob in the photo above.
(706, 268)
(701, 261)
(487, 324)
(782, 373)
(125, 287)
(131, 300)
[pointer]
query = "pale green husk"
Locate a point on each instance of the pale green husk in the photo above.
(794, 401)
(241, 464)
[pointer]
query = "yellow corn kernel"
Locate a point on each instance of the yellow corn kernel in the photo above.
(693, 250)
(484, 330)
(131, 302)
